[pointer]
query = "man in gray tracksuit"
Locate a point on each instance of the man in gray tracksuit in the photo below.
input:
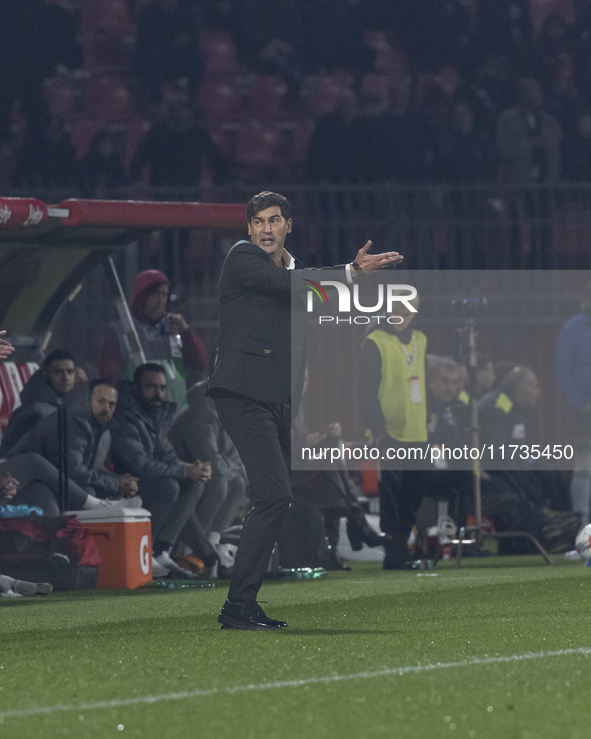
(90, 410)
(169, 488)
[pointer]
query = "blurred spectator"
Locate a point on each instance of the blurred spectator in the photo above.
(167, 47)
(489, 90)
(174, 150)
(198, 434)
(576, 151)
(165, 337)
(446, 428)
(503, 26)
(572, 367)
(41, 396)
(501, 370)
(554, 54)
(89, 442)
(464, 155)
(36, 37)
(168, 487)
(101, 170)
(405, 136)
(328, 157)
(563, 103)
(270, 37)
(366, 153)
(390, 145)
(527, 139)
(47, 158)
(334, 38)
(464, 151)
(518, 499)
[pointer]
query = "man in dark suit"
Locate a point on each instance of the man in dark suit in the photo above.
(253, 387)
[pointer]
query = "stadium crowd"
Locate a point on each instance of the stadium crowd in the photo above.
(329, 91)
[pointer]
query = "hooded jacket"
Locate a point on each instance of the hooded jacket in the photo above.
(140, 438)
(88, 445)
(186, 359)
(38, 400)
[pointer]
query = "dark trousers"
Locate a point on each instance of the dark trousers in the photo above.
(39, 484)
(171, 503)
(261, 434)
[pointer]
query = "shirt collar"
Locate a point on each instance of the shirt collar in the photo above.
(290, 260)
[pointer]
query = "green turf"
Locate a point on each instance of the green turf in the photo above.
(80, 648)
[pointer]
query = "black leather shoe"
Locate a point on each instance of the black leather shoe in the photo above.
(360, 533)
(248, 616)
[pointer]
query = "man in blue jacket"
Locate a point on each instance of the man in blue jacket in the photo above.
(572, 367)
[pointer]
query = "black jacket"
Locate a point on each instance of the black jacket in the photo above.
(140, 438)
(256, 354)
(38, 400)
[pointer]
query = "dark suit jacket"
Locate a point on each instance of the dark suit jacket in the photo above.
(255, 354)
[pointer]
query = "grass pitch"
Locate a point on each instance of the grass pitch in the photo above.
(500, 648)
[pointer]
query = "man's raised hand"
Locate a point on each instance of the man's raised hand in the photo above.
(372, 262)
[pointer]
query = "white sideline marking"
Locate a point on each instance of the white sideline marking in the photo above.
(122, 702)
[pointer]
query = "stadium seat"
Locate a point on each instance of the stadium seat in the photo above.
(267, 96)
(60, 98)
(13, 377)
(219, 98)
(107, 99)
(324, 92)
(258, 142)
(106, 15)
(220, 53)
(261, 149)
(391, 61)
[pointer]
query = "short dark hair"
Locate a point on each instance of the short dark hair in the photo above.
(514, 378)
(264, 200)
(101, 381)
(148, 367)
(57, 356)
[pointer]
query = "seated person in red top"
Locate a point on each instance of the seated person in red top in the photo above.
(165, 337)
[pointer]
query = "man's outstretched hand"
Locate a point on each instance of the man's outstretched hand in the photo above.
(373, 262)
(6, 347)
